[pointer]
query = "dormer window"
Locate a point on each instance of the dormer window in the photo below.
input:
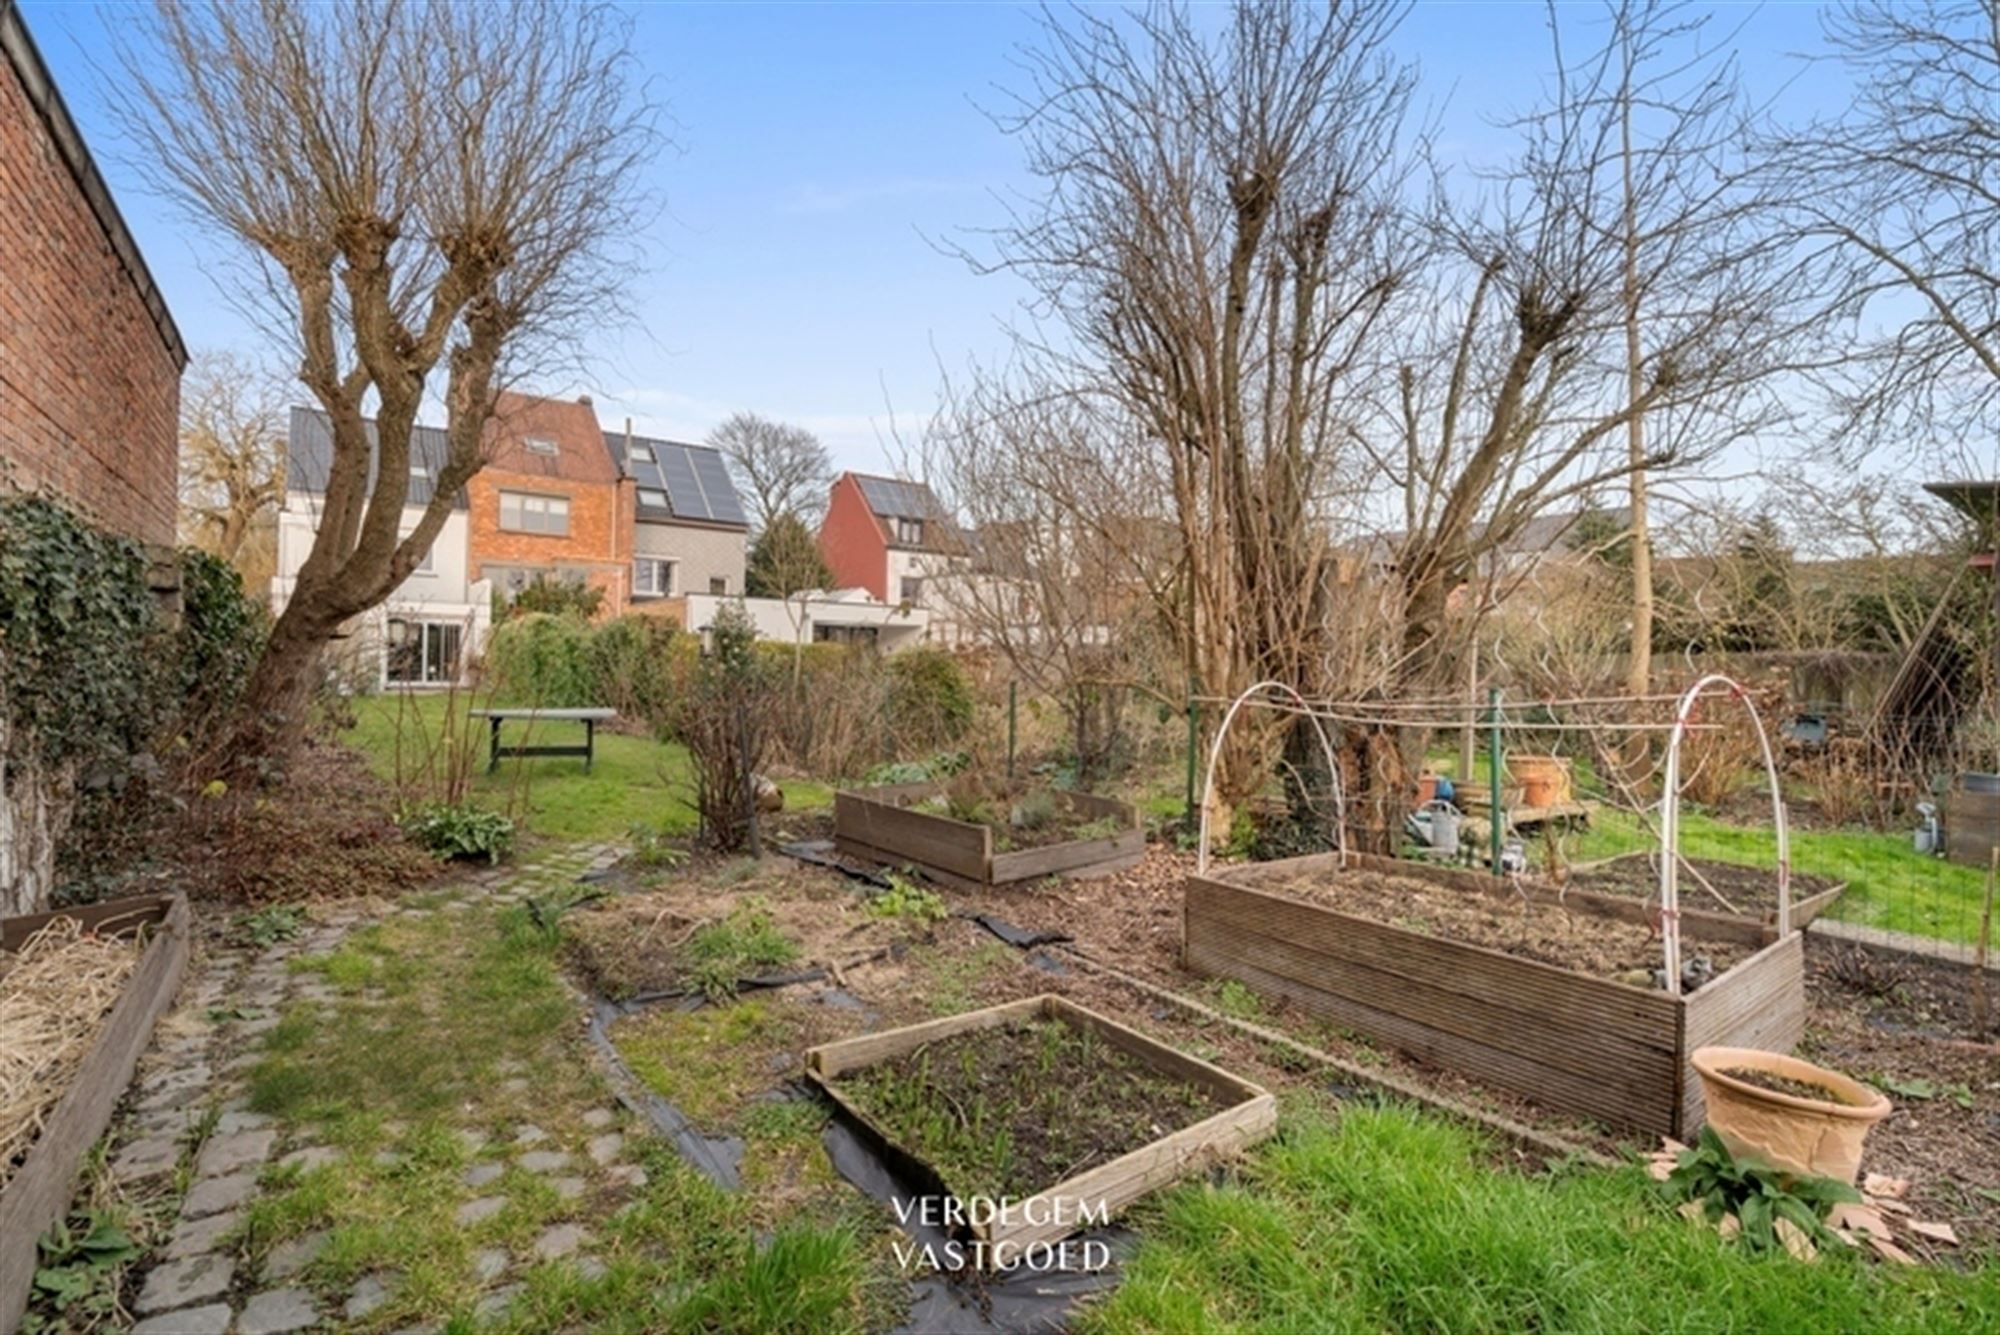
(541, 445)
(910, 532)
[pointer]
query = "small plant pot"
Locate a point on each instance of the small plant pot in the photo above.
(1544, 780)
(1812, 1137)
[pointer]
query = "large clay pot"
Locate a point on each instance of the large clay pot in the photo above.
(1811, 1137)
(1544, 780)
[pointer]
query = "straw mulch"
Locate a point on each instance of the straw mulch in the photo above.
(54, 996)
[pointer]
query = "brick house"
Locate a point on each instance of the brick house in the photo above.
(888, 536)
(90, 359)
(548, 501)
(688, 525)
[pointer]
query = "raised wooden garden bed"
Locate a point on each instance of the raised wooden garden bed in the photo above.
(39, 1193)
(1135, 1086)
(1573, 1038)
(881, 824)
(1632, 881)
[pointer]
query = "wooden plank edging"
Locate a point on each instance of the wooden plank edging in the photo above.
(38, 1196)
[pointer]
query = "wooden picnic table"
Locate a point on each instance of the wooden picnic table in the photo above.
(589, 717)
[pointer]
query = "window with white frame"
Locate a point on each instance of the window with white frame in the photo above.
(912, 591)
(654, 497)
(541, 445)
(652, 578)
(420, 653)
(524, 512)
(910, 532)
(427, 562)
(718, 584)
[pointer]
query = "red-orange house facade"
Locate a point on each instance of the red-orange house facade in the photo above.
(550, 503)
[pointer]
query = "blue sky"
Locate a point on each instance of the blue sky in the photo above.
(819, 146)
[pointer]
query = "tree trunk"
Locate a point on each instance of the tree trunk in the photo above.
(35, 808)
(272, 718)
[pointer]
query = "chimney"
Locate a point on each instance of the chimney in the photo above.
(583, 399)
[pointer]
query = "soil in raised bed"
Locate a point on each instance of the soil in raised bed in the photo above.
(1022, 818)
(1531, 924)
(1751, 891)
(1014, 1111)
(1784, 1084)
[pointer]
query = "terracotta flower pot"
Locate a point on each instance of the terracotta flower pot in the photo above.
(1812, 1137)
(1544, 780)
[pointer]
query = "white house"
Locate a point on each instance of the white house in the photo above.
(839, 616)
(430, 629)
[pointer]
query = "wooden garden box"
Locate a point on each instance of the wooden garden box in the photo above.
(1713, 923)
(1572, 1043)
(1053, 1212)
(878, 824)
(38, 1195)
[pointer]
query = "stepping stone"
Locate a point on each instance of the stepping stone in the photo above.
(484, 1208)
(193, 1075)
(490, 1264)
(517, 1084)
(170, 1122)
(590, 1267)
(143, 1159)
(185, 1283)
(628, 1175)
(167, 1100)
(288, 1258)
(544, 1161)
(530, 1135)
(569, 1188)
(599, 1118)
(202, 1235)
(210, 1320)
(232, 1122)
(213, 1195)
(497, 1302)
(604, 1150)
(277, 1310)
(559, 1241)
(483, 1172)
(309, 1158)
(369, 1293)
(223, 1155)
(473, 1141)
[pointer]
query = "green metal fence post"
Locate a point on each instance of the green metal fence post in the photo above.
(1496, 813)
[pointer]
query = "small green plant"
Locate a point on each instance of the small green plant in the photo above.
(269, 926)
(1237, 1001)
(652, 847)
(80, 1260)
(1922, 1090)
(460, 830)
(1758, 1194)
(940, 766)
(1035, 811)
(905, 898)
(721, 954)
(546, 911)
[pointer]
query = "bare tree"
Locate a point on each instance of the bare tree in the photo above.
(1902, 193)
(785, 468)
(232, 464)
(415, 188)
(1218, 233)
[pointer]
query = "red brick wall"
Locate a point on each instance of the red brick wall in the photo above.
(89, 388)
(594, 544)
(852, 541)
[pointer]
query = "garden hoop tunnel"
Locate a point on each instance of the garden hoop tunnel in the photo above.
(1215, 754)
(1670, 821)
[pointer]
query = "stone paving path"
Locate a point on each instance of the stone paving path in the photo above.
(196, 1069)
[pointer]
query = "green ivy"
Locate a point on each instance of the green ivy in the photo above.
(81, 652)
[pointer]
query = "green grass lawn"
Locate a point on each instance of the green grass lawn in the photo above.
(1888, 884)
(1388, 1219)
(634, 780)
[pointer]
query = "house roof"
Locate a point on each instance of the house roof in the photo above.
(521, 422)
(309, 456)
(693, 480)
(891, 498)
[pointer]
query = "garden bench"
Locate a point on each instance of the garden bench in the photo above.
(589, 717)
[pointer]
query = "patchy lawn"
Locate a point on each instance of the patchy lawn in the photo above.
(633, 780)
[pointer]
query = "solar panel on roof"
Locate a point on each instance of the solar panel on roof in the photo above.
(683, 487)
(898, 499)
(723, 505)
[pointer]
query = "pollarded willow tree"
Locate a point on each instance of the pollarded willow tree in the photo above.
(1218, 235)
(427, 199)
